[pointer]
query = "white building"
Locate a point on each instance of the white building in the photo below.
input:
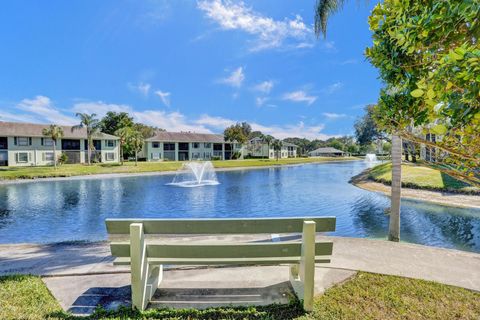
(258, 148)
(183, 146)
(23, 144)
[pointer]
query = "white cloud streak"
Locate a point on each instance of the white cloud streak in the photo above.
(142, 88)
(268, 33)
(43, 108)
(235, 79)
(264, 87)
(164, 96)
(333, 88)
(333, 116)
(299, 96)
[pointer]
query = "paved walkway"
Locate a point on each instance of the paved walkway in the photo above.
(81, 275)
(447, 266)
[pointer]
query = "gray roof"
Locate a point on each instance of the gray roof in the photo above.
(288, 144)
(165, 136)
(23, 129)
(327, 150)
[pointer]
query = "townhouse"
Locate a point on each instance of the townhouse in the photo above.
(23, 144)
(184, 146)
(258, 148)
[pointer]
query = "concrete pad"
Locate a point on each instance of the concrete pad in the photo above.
(190, 287)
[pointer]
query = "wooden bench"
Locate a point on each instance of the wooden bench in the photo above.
(146, 257)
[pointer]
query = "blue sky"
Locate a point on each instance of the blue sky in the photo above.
(187, 65)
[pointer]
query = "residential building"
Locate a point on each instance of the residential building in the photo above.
(23, 144)
(183, 146)
(258, 148)
(327, 152)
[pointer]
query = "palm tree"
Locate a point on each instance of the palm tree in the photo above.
(323, 10)
(124, 135)
(54, 132)
(277, 146)
(92, 125)
(136, 141)
(268, 139)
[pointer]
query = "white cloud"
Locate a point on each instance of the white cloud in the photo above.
(100, 108)
(299, 96)
(41, 110)
(215, 122)
(268, 33)
(265, 86)
(333, 87)
(164, 96)
(235, 79)
(143, 88)
(44, 109)
(260, 101)
(333, 116)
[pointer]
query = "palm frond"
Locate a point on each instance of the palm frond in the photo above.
(323, 10)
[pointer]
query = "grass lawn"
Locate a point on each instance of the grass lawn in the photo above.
(68, 170)
(366, 296)
(416, 176)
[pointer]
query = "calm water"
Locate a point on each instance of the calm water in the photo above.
(51, 211)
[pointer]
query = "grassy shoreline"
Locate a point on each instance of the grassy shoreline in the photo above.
(24, 173)
(365, 296)
(419, 177)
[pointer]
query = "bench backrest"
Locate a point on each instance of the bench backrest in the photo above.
(220, 226)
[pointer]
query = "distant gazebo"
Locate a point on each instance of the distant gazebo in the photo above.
(327, 152)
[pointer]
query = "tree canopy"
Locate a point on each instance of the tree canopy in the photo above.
(428, 55)
(366, 129)
(239, 132)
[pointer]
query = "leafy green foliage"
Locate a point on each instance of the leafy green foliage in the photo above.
(428, 55)
(239, 132)
(114, 121)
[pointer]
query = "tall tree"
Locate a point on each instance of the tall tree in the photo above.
(323, 10)
(238, 132)
(428, 55)
(124, 134)
(54, 132)
(277, 147)
(268, 139)
(92, 125)
(113, 121)
(136, 142)
(366, 129)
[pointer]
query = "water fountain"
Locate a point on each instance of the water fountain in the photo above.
(370, 157)
(195, 174)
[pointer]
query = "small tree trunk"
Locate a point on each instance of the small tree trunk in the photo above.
(136, 158)
(88, 151)
(394, 225)
(121, 152)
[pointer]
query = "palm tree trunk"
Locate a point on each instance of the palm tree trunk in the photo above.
(121, 152)
(394, 226)
(88, 150)
(54, 154)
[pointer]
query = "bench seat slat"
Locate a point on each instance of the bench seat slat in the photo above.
(220, 226)
(221, 261)
(219, 250)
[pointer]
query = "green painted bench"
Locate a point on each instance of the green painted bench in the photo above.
(146, 257)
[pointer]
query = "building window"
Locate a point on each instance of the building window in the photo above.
(208, 145)
(49, 156)
(169, 146)
(110, 156)
(155, 156)
(110, 143)
(22, 157)
(23, 141)
(156, 144)
(196, 145)
(48, 142)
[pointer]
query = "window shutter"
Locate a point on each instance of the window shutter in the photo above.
(15, 140)
(42, 142)
(30, 141)
(16, 156)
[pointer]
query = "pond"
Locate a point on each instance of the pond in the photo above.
(75, 209)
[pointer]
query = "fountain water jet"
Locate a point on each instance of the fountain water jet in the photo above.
(370, 157)
(195, 174)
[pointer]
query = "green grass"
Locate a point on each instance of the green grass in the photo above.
(67, 170)
(417, 176)
(366, 296)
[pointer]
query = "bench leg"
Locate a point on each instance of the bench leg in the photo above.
(145, 277)
(302, 276)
